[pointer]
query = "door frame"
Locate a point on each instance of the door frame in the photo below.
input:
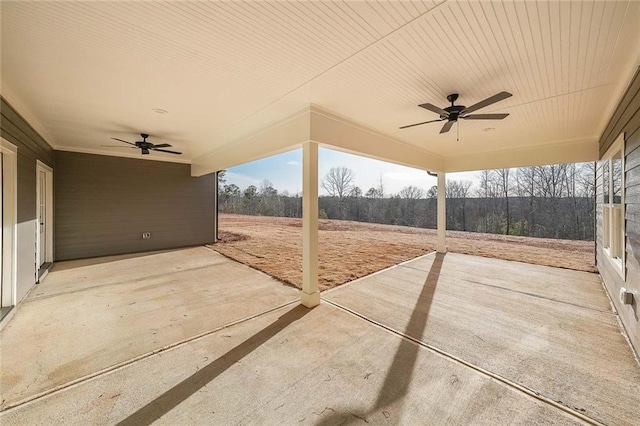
(48, 215)
(9, 223)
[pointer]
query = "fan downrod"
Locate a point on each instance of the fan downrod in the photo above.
(452, 98)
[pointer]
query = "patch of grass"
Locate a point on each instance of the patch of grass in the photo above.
(350, 250)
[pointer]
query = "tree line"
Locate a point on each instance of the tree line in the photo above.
(554, 201)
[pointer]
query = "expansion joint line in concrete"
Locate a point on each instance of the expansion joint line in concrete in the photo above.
(123, 364)
(514, 291)
(529, 392)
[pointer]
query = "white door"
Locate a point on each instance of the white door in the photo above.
(42, 218)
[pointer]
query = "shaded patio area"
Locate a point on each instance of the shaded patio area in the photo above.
(439, 339)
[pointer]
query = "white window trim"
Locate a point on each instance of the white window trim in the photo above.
(618, 263)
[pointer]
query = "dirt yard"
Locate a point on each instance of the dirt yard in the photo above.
(349, 250)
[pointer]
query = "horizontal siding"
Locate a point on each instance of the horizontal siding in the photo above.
(632, 159)
(625, 119)
(632, 177)
(31, 147)
(104, 204)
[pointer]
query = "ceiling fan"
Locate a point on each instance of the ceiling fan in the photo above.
(452, 113)
(145, 146)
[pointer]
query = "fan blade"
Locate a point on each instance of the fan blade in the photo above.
(116, 139)
(162, 145)
(447, 126)
(485, 116)
(166, 150)
(418, 124)
(435, 109)
(120, 146)
(490, 100)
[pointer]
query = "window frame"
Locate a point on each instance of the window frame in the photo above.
(614, 213)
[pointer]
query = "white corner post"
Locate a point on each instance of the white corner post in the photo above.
(442, 213)
(310, 293)
(215, 207)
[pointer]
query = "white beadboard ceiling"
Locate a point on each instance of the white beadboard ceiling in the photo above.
(83, 72)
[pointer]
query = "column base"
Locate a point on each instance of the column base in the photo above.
(441, 250)
(310, 300)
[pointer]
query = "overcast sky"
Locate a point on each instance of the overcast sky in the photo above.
(285, 172)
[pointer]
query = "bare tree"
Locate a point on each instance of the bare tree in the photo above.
(487, 184)
(355, 192)
(407, 203)
(267, 189)
(458, 191)
(338, 182)
(486, 191)
(555, 201)
(585, 180)
(526, 186)
(373, 193)
(504, 184)
(411, 193)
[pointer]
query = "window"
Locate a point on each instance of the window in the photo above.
(613, 224)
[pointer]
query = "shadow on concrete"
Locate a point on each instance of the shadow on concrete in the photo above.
(183, 390)
(398, 378)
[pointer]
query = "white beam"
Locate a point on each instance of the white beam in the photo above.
(442, 214)
(282, 136)
(572, 151)
(310, 293)
(313, 123)
(347, 135)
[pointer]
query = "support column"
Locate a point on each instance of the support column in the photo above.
(442, 213)
(310, 293)
(215, 207)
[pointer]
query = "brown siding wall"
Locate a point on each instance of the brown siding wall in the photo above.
(103, 205)
(625, 119)
(31, 147)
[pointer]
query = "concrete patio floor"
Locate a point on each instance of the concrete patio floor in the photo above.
(190, 337)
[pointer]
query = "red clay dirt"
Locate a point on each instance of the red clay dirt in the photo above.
(350, 250)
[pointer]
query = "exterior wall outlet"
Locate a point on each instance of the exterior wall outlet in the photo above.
(146, 235)
(626, 297)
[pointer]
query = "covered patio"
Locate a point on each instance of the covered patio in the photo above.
(445, 337)
(190, 336)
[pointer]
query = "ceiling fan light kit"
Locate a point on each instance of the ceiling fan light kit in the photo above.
(454, 112)
(144, 146)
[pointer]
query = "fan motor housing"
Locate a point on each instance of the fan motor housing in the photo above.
(454, 111)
